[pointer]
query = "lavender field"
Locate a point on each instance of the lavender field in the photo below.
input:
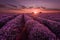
(24, 26)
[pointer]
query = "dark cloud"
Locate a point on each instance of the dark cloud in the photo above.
(46, 3)
(2, 6)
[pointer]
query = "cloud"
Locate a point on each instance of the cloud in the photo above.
(2, 6)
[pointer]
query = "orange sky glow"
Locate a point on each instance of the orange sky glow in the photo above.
(29, 11)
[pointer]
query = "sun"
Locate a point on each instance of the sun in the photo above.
(35, 12)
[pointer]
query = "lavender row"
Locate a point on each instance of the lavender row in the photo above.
(51, 16)
(52, 25)
(5, 19)
(13, 29)
(37, 31)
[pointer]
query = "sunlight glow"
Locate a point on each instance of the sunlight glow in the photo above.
(35, 12)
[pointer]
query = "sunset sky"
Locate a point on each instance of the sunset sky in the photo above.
(34, 3)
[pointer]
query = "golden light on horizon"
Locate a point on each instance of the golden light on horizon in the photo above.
(35, 12)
